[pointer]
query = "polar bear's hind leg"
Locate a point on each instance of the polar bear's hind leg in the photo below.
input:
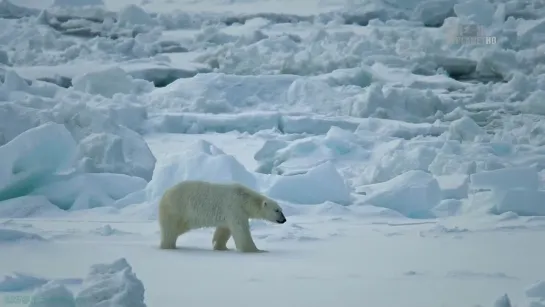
(171, 229)
(221, 236)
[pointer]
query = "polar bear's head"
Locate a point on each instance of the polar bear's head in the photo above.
(272, 212)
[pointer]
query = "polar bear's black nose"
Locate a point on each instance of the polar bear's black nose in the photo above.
(281, 219)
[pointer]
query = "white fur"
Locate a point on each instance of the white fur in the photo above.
(228, 207)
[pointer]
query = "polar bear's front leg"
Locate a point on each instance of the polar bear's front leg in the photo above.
(221, 236)
(243, 238)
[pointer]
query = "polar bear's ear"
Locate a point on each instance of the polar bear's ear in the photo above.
(264, 204)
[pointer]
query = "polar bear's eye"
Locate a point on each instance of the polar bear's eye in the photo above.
(277, 210)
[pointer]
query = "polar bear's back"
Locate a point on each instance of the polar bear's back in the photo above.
(205, 204)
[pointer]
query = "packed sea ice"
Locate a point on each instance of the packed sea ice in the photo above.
(404, 140)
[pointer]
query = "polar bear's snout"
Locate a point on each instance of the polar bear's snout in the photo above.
(281, 219)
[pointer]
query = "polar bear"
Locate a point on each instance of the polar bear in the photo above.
(226, 206)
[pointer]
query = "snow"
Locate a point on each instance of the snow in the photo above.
(40, 161)
(447, 207)
(19, 281)
(453, 186)
(109, 82)
(536, 290)
(26, 206)
(119, 154)
(503, 301)
(10, 236)
(311, 188)
(535, 297)
(33, 158)
(407, 154)
(77, 2)
(52, 294)
(111, 284)
(200, 161)
(521, 201)
(86, 191)
(512, 190)
(464, 129)
(414, 194)
(506, 178)
(478, 11)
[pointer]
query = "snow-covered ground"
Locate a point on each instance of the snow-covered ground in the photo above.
(404, 140)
